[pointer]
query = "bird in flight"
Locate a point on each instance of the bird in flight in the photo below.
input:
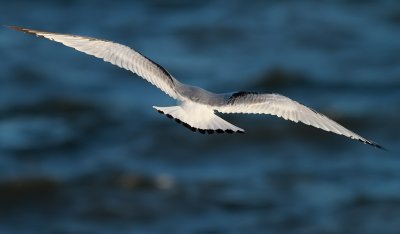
(196, 107)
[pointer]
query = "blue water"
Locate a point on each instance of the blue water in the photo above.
(82, 151)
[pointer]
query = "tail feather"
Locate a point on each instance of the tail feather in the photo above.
(203, 123)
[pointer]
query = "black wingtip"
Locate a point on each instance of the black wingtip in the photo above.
(10, 26)
(373, 144)
(16, 28)
(24, 30)
(30, 31)
(379, 147)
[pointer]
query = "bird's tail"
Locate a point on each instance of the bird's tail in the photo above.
(203, 123)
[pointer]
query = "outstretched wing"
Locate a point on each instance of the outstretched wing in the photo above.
(117, 54)
(281, 106)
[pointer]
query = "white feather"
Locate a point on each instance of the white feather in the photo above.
(284, 107)
(115, 53)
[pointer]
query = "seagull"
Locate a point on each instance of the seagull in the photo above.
(196, 108)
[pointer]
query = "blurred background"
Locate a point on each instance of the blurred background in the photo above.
(83, 151)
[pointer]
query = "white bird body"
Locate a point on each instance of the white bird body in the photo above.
(197, 107)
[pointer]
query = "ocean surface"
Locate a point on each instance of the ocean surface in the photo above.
(83, 151)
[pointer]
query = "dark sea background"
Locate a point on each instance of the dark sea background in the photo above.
(83, 151)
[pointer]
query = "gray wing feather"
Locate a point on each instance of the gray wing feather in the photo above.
(284, 107)
(117, 54)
